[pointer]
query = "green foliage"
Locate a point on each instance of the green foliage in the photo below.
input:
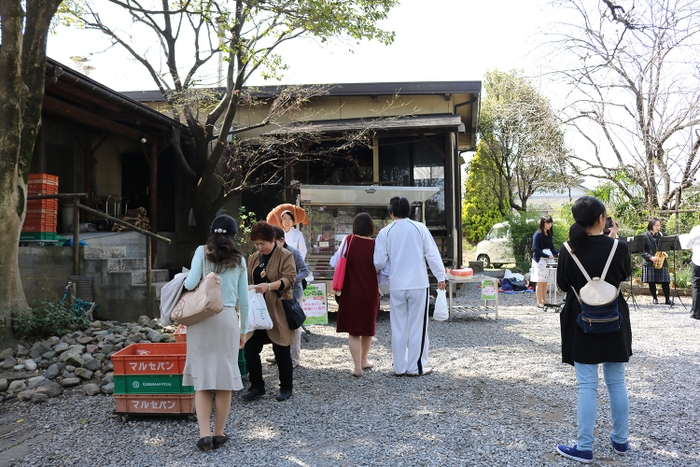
(522, 227)
(246, 220)
(49, 318)
(630, 214)
(480, 210)
(684, 279)
(520, 134)
(563, 221)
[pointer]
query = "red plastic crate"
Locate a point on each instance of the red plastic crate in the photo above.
(43, 177)
(164, 358)
(46, 217)
(154, 403)
(42, 189)
(38, 204)
(181, 333)
(39, 227)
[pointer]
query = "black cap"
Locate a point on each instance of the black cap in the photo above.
(224, 224)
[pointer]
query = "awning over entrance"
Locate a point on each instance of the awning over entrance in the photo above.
(413, 122)
(315, 195)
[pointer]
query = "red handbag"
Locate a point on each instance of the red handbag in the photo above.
(339, 274)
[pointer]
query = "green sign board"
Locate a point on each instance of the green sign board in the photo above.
(315, 303)
(489, 288)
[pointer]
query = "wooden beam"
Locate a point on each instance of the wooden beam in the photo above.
(77, 114)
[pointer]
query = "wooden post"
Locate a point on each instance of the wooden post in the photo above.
(375, 159)
(76, 237)
(153, 194)
(149, 279)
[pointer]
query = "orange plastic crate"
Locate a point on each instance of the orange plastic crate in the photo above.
(47, 217)
(43, 177)
(181, 333)
(42, 189)
(39, 227)
(39, 204)
(163, 358)
(154, 403)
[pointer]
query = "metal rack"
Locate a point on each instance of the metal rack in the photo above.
(486, 308)
(552, 300)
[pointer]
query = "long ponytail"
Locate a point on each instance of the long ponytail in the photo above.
(586, 211)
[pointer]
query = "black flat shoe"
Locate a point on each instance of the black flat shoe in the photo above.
(205, 444)
(655, 302)
(284, 395)
(669, 302)
(695, 316)
(253, 393)
(219, 441)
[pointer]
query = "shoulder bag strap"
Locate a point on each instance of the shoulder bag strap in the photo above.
(347, 245)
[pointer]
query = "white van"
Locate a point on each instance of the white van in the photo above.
(496, 249)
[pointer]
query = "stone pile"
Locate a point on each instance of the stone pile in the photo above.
(78, 358)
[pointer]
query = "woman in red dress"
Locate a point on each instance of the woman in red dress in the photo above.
(359, 302)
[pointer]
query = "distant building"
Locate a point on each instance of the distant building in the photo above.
(551, 202)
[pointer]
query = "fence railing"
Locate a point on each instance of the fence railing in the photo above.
(77, 206)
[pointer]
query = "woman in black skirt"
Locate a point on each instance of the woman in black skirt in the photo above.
(654, 268)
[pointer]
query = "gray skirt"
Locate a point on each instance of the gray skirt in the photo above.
(212, 353)
(649, 274)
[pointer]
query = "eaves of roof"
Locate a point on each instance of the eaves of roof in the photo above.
(350, 89)
(59, 72)
(414, 122)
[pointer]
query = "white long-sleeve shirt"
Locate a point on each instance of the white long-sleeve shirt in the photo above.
(408, 245)
(295, 239)
(694, 244)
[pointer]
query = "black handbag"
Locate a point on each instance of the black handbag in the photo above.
(294, 312)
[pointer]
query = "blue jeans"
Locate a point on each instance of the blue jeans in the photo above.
(587, 377)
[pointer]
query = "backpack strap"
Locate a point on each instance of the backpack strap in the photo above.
(578, 263)
(583, 271)
(610, 257)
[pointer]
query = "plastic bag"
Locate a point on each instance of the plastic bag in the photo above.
(441, 313)
(258, 316)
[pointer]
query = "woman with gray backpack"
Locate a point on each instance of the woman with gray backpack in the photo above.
(595, 323)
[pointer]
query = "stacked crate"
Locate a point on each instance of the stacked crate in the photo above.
(181, 336)
(148, 379)
(42, 214)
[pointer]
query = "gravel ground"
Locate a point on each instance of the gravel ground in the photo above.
(499, 396)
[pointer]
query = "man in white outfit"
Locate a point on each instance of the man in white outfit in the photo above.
(408, 245)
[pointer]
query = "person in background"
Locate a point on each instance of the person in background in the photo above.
(292, 236)
(341, 231)
(359, 301)
(585, 351)
(611, 228)
(297, 291)
(270, 269)
(694, 245)
(542, 240)
(324, 241)
(408, 245)
(211, 365)
(655, 268)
